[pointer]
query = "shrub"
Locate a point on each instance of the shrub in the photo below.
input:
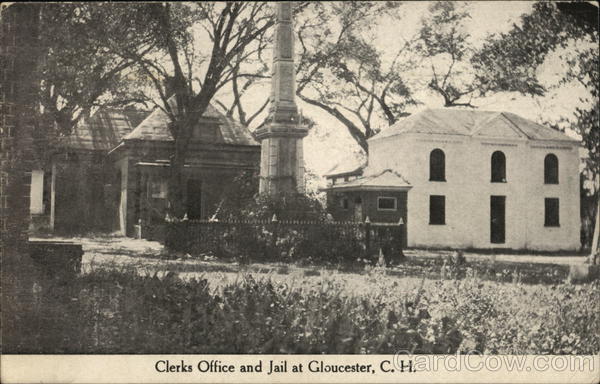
(241, 193)
(122, 312)
(285, 206)
(111, 312)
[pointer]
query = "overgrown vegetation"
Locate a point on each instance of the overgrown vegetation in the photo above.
(268, 240)
(285, 227)
(122, 312)
(332, 245)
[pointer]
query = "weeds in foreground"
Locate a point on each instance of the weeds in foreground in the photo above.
(110, 311)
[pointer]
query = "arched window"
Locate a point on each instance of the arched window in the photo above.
(498, 167)
(437, 165)
(551, 169)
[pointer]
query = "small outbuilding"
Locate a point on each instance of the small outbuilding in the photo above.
(111, 173)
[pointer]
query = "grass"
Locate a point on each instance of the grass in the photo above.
(127, 304)
(432, 268)
(125, 311)
(149, 256)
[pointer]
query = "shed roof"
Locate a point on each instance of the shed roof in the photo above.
(104, 129)
(385, 180)
(448, 121)
(155, 127)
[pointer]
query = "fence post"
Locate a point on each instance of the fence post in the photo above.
(401, 237)
(217, 239)
(368, 237)
(275, 224)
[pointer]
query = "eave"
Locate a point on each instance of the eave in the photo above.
(349, 188)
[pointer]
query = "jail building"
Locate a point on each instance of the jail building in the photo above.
(468, 179)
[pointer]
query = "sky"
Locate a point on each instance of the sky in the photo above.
(328, 143)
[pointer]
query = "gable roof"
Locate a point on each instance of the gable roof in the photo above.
(448, 121)
(155, 127)
(104, 129)
(384, 180)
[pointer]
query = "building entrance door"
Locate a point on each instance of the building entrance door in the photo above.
(497, 219)
(358, 215)
(194, 199)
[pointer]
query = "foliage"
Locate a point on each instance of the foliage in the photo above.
(239, 195)
(242, 202)
(123, 312)
(257, 227)
(585, 68)
(285, 206)
(267, 240)
(495, 324)
(341, 72)
(444, 40)
(509, 61)
(81, 69)
(247, 227)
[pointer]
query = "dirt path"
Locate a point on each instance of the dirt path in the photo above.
(524, 258)
(150, 256)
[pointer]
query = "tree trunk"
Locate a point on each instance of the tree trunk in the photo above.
(177, 207)
(188, 118)
(594, 257)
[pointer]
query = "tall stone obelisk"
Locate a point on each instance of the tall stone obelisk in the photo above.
(282, 162)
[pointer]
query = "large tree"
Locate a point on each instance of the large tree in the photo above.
(443, 42)
(339, 69)
(243, 82)
(81, 70)
(507, 62)
(341, 72)
(510, 60)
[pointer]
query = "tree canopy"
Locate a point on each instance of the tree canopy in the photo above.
(511, 60)
(341, 71)
(81, 69)
(116, 54)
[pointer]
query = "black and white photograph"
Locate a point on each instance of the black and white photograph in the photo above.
(295, 186)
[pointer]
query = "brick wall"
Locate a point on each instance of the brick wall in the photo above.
(19, 55)
(368, 207)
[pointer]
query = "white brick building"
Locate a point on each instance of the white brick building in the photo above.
(483, 180)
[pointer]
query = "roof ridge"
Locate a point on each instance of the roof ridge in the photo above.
(503, 114)
(392, 171)
(468, 122)
(154, 125)
(492, 116)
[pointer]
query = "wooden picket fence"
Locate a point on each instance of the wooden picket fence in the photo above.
(286, 239)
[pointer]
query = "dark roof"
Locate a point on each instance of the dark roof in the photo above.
(473, 123)
(104, 129)
(154, 127)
